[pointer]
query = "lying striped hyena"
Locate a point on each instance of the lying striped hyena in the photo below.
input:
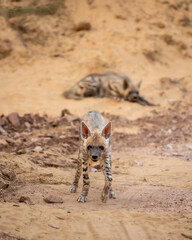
(112, 85)
(95, 147)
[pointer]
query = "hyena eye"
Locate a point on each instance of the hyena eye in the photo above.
(101, 148)
(89, 147)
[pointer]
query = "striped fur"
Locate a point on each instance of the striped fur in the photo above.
(95, 147)
(110, 84)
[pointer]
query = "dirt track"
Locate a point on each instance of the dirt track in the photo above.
(40, 57)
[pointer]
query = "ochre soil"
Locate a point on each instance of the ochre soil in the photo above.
(40, 57)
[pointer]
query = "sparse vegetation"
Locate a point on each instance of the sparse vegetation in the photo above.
(41, 10)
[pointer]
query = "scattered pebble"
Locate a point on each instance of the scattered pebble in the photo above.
(9, 140)
(38, 149)
(53, 199)
(83, 26)
(2, 131)
(34, 139)
(27, 125)
(25, 199)
(14, 119)
(8, 174)
(169, 131)
(3, 184)
(169, 146)
(139, 163)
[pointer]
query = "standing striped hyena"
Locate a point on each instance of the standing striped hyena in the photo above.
(95, 146)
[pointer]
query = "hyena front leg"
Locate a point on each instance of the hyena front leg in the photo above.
(86, 181)
(108, 178)
(74, 186)
(112, 193)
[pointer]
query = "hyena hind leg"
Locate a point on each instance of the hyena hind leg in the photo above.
(73, 188)
(112, 193)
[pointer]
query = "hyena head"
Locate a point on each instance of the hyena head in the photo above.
(131, 91)
(96, 143)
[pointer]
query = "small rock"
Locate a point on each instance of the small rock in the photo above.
(38, 149)
(3, 184)
(185, 21)
(182, 46)
(2, 131)
(27, 125)
(159, 24)
(151, 55)
(83, 26)
(53, 199)
(140, 163)
(21, 151)
(2, 121)
(8, 174)
(54, 123)
(5, 48)
(144, 179)
(169, 131)
(14, 119)
(9, 140)
(24, 199)
(168, 39)
(3, 142)
(120, 16)
(168, 146)
(34, 139)
(16, 205)
(65, 112)
(17, 135)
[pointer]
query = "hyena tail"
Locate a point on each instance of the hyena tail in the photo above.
(71, 95)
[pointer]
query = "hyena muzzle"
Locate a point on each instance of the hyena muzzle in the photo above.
(95, 146)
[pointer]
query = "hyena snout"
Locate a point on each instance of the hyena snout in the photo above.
(95, 152)
(133, 97)
(94, 158)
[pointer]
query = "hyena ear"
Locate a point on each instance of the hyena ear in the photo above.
(139, 84)
(107, 130)
(85, 132)
(125, 84)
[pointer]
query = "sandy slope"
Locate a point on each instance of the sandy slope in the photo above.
(147, 41)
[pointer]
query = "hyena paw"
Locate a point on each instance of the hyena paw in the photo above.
(104, 197)
(82, 198)
(73, 189)
(112, 195)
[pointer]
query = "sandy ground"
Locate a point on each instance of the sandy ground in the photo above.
(40, 57)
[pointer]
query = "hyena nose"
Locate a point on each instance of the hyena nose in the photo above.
(94, 157)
